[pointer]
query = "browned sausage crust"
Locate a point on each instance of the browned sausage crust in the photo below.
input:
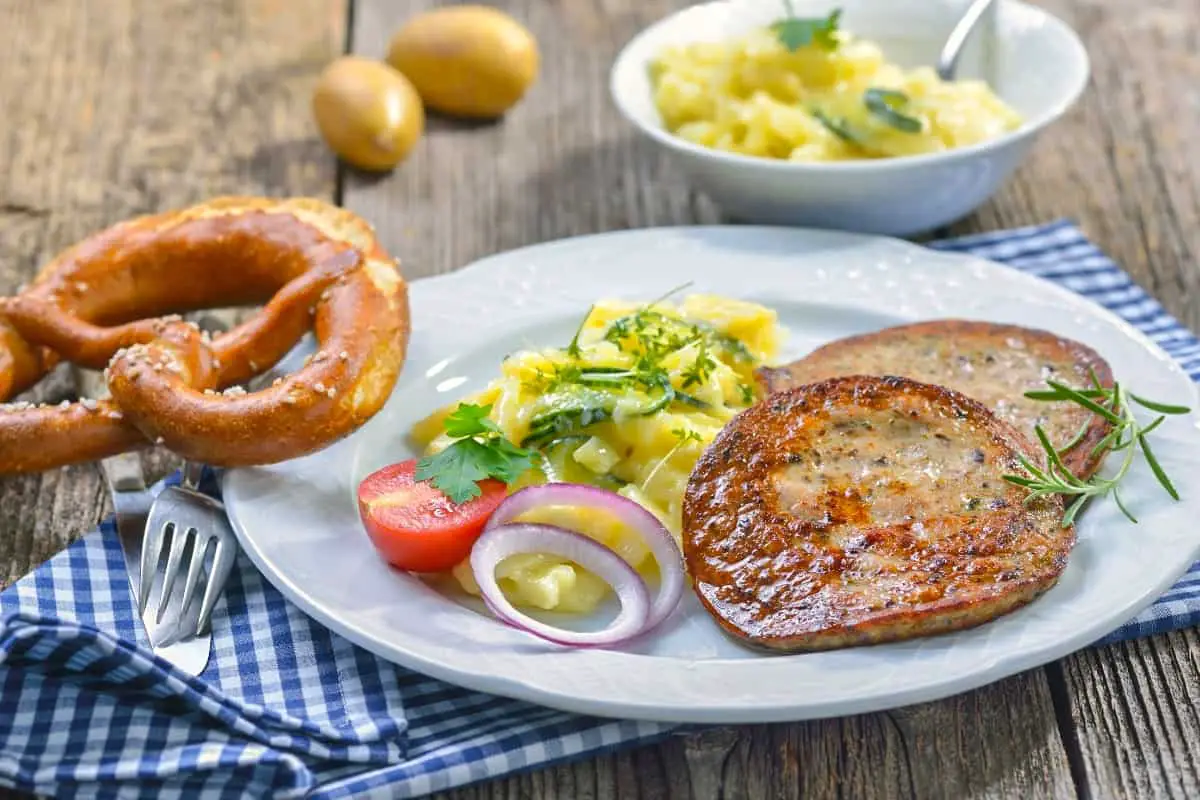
(992, 363)
(864, 509)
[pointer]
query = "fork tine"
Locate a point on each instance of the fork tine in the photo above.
(174, 560)
(195, 571)
(152, 545)
(223, 559)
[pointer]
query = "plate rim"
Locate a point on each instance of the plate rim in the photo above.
(999, 669)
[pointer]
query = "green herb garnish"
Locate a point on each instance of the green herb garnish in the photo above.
(480, 452)
(700, 369)
(688, 400)
(1127, 434)
(888, 106)
(655, 335)
(573, 396)
(669, 293)
(573, 348)
(796, 32)
(838, 127)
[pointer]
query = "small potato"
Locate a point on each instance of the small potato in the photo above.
(367, 112)
(466, 61)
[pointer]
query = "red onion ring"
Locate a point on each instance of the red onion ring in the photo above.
(499, 542)
(658, 539)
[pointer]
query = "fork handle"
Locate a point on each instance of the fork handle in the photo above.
(213, 323)
(124, 472)
(191, 474)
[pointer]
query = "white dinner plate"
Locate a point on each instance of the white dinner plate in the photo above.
(299, 522)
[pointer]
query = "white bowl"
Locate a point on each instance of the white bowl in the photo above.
(1031, 59)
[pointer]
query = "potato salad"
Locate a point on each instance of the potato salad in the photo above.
(628, 404)
(805, 90)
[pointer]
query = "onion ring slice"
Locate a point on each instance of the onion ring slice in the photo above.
(501, 541)
(658, 539)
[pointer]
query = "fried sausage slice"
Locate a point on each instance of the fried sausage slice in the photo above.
(862, 509)
(994, 364)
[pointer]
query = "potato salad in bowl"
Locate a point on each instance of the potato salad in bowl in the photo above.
(809, 90)
(627, 405)
(832, 115)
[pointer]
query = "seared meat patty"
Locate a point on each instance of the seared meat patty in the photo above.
(994, 364)
(864, 509)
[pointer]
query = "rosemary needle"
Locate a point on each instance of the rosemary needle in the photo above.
(1128, 435)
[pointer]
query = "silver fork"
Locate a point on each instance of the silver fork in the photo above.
(194, 524)
(131, 499)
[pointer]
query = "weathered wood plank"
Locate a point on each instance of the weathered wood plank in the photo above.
(999, 742)
(132, 106)
(1124, 163)
(135, 106)
(1126, 166)
(561, 163)
(564, 163)
(1135, 717)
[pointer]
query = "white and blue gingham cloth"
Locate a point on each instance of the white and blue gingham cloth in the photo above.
(288, 709)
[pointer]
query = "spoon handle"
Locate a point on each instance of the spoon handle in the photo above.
(947, 63)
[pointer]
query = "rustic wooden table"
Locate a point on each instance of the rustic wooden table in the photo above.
(121, 107)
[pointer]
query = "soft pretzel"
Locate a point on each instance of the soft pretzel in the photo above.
(110, 300)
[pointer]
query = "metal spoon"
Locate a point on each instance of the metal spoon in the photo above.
(947, 63)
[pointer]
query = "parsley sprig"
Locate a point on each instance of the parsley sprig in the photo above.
(1127, 435)
(795, 32)
(481, 451)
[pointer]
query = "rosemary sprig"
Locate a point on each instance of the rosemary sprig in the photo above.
(1128, 435)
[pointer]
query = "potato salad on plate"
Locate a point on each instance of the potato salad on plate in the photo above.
(627, 405)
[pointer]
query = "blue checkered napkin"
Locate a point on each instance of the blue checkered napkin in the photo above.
(287, 709)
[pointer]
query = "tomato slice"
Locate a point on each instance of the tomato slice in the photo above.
(414, 525)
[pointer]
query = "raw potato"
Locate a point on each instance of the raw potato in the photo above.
(467, 61)
(367, 112)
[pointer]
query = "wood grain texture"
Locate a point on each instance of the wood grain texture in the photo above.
(1126, 166)
(1135, 716)
(561, 163)
(128, 106)
(1000, 742)
(131, 106)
